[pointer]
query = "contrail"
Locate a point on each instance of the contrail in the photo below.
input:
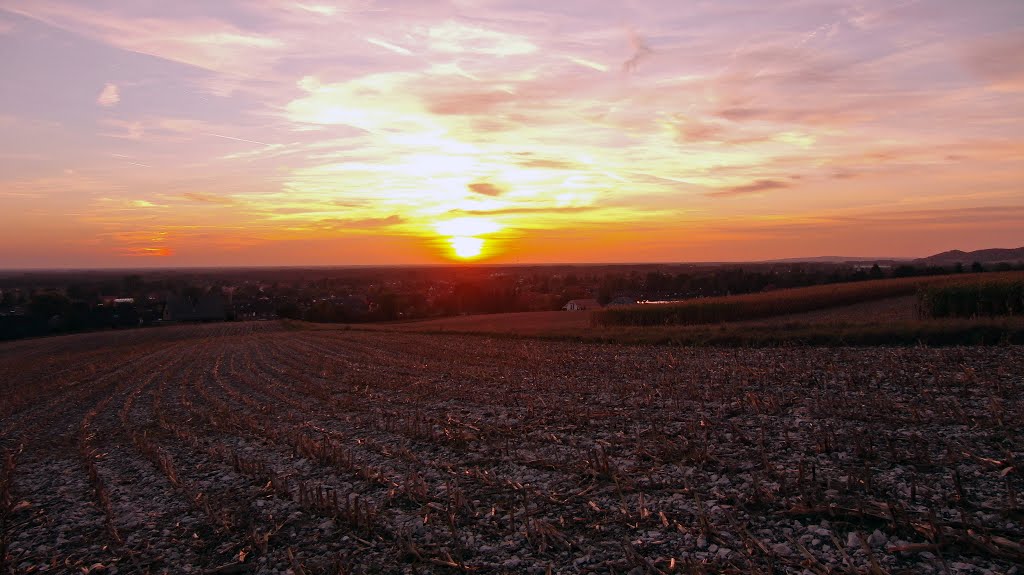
(127, 159)
(389, 46)
(237, 139)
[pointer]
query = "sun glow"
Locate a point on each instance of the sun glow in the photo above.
(466, 247)
(467, 227)
(463, 235)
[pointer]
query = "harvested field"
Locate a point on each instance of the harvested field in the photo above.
(521, 323)
(252, 448)
(903, 308)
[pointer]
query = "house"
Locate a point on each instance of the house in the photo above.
(581, 305)
(209, 307)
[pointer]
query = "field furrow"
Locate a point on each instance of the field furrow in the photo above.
(248, 448)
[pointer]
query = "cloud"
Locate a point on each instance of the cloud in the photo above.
(469, 103)
(526, 210)
(109, 96)
(359, 224)
(548, 163)
(208, 198)
(123, 129)
(202, 42)
(456, 38)
(640, 50)
(150, 252)
(486, 189)
(995, 59)
(693, 130)
(373, 103)
(752, 188)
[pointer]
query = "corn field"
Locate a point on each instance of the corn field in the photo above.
(776, 303)
(981, 297)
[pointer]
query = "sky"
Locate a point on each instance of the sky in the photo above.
(148, 133)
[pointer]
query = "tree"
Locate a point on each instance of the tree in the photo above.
(288, 311)
(132, 284)
(387, 306)
(905, 271)
(46, 305)
(976, 267)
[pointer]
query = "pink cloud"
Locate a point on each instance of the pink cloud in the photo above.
(109, 96)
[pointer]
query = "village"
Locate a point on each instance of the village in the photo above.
(33, 304)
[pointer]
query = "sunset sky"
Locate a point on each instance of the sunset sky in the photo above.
(269, 132)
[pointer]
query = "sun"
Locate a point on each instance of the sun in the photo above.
(464, 235)
(467, 247)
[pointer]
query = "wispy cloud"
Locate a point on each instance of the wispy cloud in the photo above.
(109, 96)
(358, 224)
(754, 187)
(640, 51)
(453, 37)
(208, 198)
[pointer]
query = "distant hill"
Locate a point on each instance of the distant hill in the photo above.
(833, 259)
(994, 255)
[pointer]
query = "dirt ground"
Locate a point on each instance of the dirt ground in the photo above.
(255, 448)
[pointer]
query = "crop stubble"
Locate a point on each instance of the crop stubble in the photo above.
(250, 448)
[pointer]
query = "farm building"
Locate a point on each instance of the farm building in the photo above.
(581, 305)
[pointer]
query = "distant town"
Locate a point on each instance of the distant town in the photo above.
(35, 303)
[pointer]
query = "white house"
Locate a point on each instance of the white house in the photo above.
(581, 305)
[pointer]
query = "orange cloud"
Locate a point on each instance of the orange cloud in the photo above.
(754, 187)
(161, 252)
(208, 198)
(485, 189)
